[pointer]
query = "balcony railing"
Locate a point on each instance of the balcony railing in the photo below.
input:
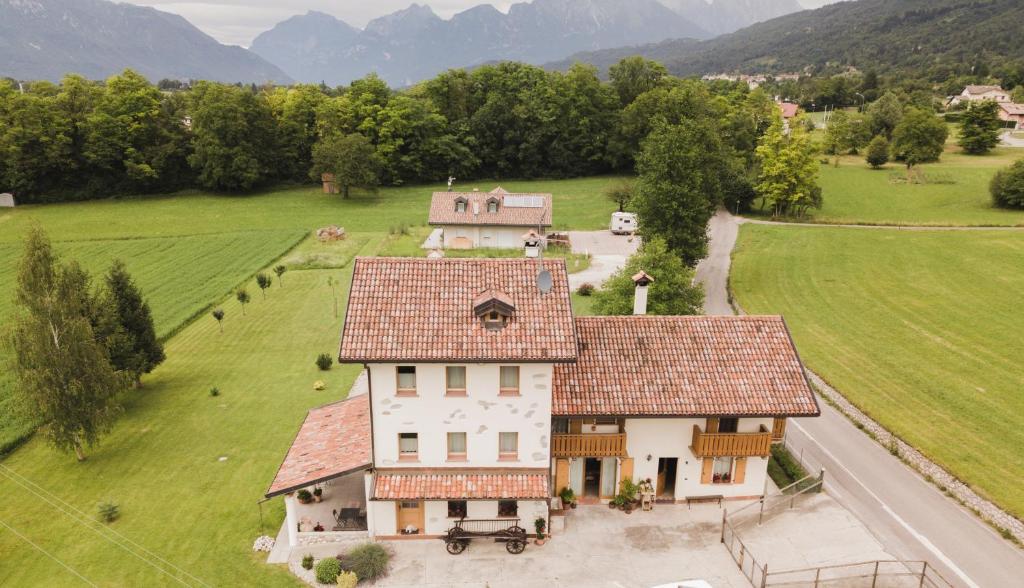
(589, 445)
(731, 444)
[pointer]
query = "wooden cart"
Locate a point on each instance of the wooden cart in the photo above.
(506, 530)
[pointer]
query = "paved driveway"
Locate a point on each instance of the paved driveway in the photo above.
(608, 253)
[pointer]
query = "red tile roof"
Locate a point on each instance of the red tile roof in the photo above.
(510, 209)
(442, 485)
(333, 440)
(789, 109)
(683, 366)
(409, 309)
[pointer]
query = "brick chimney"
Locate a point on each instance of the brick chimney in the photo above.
(642, 280)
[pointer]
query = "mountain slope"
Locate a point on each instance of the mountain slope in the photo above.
(44, 39)
(906, 35)
(414, 43)
(725, 16)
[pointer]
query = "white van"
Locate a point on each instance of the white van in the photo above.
(623, 223)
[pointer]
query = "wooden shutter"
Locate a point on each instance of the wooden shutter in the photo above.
(740, 471)
(561, 474)
(575, 426)
(712, 425)
(778, 429)
(707, 468)
(626, 471)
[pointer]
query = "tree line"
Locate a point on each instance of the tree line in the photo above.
(81, 139)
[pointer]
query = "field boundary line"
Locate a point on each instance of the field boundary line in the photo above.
(746, 220)
(48, 554)
(1005, 524)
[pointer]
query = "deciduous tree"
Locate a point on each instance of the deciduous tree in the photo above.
(351, 159)
(878, 152)
(672, 292)
(919, 138)
(789, 172)
(1007, 186)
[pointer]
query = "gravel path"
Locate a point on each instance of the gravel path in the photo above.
(608, 253)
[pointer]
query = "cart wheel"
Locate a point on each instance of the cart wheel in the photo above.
(517, 531)
(515, 546)
(456, 547)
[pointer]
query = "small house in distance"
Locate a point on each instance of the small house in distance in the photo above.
(978, 93)
(489, 219)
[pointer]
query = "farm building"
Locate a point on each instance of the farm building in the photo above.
(489, 219)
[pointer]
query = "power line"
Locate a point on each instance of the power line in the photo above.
(47, 553)
(84, 519)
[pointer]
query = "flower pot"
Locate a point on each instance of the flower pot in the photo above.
(318, 498)
(611, 505)
(539, 541)
(572, 505)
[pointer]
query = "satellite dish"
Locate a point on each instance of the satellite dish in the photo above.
(544, 281)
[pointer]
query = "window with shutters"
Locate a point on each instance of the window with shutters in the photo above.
(722, 471)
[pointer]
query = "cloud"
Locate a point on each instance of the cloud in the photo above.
(238, 22)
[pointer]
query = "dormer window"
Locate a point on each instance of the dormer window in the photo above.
(494, 309)
(492, 205)
(460, 205)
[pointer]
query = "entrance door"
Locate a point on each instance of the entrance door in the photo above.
(592, 477)
(576, 476)
(410, 514)
(667, 477)
(608, 466)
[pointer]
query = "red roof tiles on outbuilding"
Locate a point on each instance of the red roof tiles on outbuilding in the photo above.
(442, 485)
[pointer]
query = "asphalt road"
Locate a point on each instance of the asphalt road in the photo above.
(909, 516)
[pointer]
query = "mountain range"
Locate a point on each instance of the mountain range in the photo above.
(415, 43)
(45, 39)
(885, 35)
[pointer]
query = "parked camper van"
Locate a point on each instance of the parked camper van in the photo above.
(623, 223)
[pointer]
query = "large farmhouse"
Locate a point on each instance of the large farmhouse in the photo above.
(493, 219)
(485, 397)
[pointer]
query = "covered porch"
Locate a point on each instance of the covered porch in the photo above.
(325, 477)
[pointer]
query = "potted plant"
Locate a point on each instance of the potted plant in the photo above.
(540, 524)
(304, 496)
(568, 497)
(318, 494)
(318, 528)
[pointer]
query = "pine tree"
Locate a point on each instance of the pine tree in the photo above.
(138, 351)
(979, 131)
(65, 379)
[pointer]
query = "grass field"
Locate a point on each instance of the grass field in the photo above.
(920, 329)
(180, 277)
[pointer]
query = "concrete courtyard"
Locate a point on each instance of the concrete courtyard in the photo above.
(601, 547)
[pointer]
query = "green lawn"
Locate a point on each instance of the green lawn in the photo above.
(578, 203)
(162, 462)
(922, 330)
(180, 277)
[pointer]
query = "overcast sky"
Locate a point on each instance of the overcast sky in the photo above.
(237, 22)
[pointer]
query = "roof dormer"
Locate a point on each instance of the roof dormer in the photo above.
(494, 308)
(461, 203)
(492, 204)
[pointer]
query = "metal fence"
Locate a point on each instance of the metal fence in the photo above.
(873, 574)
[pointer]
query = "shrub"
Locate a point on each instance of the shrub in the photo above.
(539, 525)
(784, 469)
(108, 512)
(215, 391)
(328, 570)
(307, 561)
(567, 495)
(304, 495)
(878, 152)
(347, 580)
(585, 289)
(1007, 186)
(324, 362)
(368, 561)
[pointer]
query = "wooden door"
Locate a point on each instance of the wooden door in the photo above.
(410, 512)
(660, 488)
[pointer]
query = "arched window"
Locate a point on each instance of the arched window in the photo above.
(460, 205)
(492, 205)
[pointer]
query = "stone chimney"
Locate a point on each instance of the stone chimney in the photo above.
(642, 280)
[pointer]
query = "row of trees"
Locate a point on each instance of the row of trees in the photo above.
(77, 348)
(81, 139)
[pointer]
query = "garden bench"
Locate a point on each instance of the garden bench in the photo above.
(704, 498)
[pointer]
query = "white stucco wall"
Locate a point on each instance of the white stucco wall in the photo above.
(436, 521)
(500, 237)
(659, 438)
(481, 414)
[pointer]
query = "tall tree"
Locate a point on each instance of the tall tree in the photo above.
(635, 75)
(672, 292)
(788, 178)
(65, 379)
(681, 172)
(980, 127)
(140, 351)
(919, 138)
(351, 159)
(885, 113)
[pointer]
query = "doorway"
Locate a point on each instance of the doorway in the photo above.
(410, 515)
(667, 477)
(592, 477)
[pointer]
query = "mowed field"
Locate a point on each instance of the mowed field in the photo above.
(921, 329)
(163, 461)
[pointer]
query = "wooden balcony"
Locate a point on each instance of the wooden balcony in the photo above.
(731, 444)
(590, 445)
